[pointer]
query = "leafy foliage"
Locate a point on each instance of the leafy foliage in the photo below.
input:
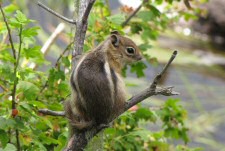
(36, 89)
(129, 134)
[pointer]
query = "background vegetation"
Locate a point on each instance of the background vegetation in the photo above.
(32, 79)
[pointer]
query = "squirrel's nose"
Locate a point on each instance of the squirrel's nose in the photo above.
(139, 57)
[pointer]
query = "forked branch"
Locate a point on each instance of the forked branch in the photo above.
(79, 141)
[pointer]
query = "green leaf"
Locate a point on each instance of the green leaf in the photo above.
(7, 72)
(11, 8)
(34, 53)
(116, 19)
(14, 23)
(149, 34)
(92, 19)
(66, 61)
(146, 15)
(11, 123)
(30, 32)
(145, 113)
(110, 131)
(136, 27)
(37, 104)
(153, 9)
(62, 142)
(28, 89)
(144, 47)
(10, 147)
(144, 134)
(3, 122)
(6, 56)
(3, 137)
(21, 18)
(48, 140)
(138, 68)
(64, 89)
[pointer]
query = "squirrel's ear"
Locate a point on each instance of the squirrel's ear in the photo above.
(115, 40)
(115, 32)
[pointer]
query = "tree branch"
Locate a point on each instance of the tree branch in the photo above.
(79, 140)
(71, 21)
(133, 13)
(88, 9)
(150, 91)
(81, 28)
(50, 112)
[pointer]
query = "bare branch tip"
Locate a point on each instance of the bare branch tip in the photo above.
(175, 52)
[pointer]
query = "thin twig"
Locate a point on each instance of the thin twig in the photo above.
(71, 21)
(56, 64)
(20, 46)
(52, 113)
(18, 140)
(9, 32)
(62, 54)
(16, 82)
(158, 77)
(133, 13)
(3, 87)
(16, 63)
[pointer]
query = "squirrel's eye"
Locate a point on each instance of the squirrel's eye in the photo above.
(130, 50)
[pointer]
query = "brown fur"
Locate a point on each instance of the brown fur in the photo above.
(98, 91)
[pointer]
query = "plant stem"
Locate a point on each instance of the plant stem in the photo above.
(18, 140)
(16, 82)
(16, 63)
(9, 32)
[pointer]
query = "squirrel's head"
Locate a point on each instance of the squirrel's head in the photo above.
(125, 48)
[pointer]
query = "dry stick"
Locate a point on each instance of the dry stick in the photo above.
(133, 13)
(152, 90)
(56, 14)
(50, 112)
(15, 68)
